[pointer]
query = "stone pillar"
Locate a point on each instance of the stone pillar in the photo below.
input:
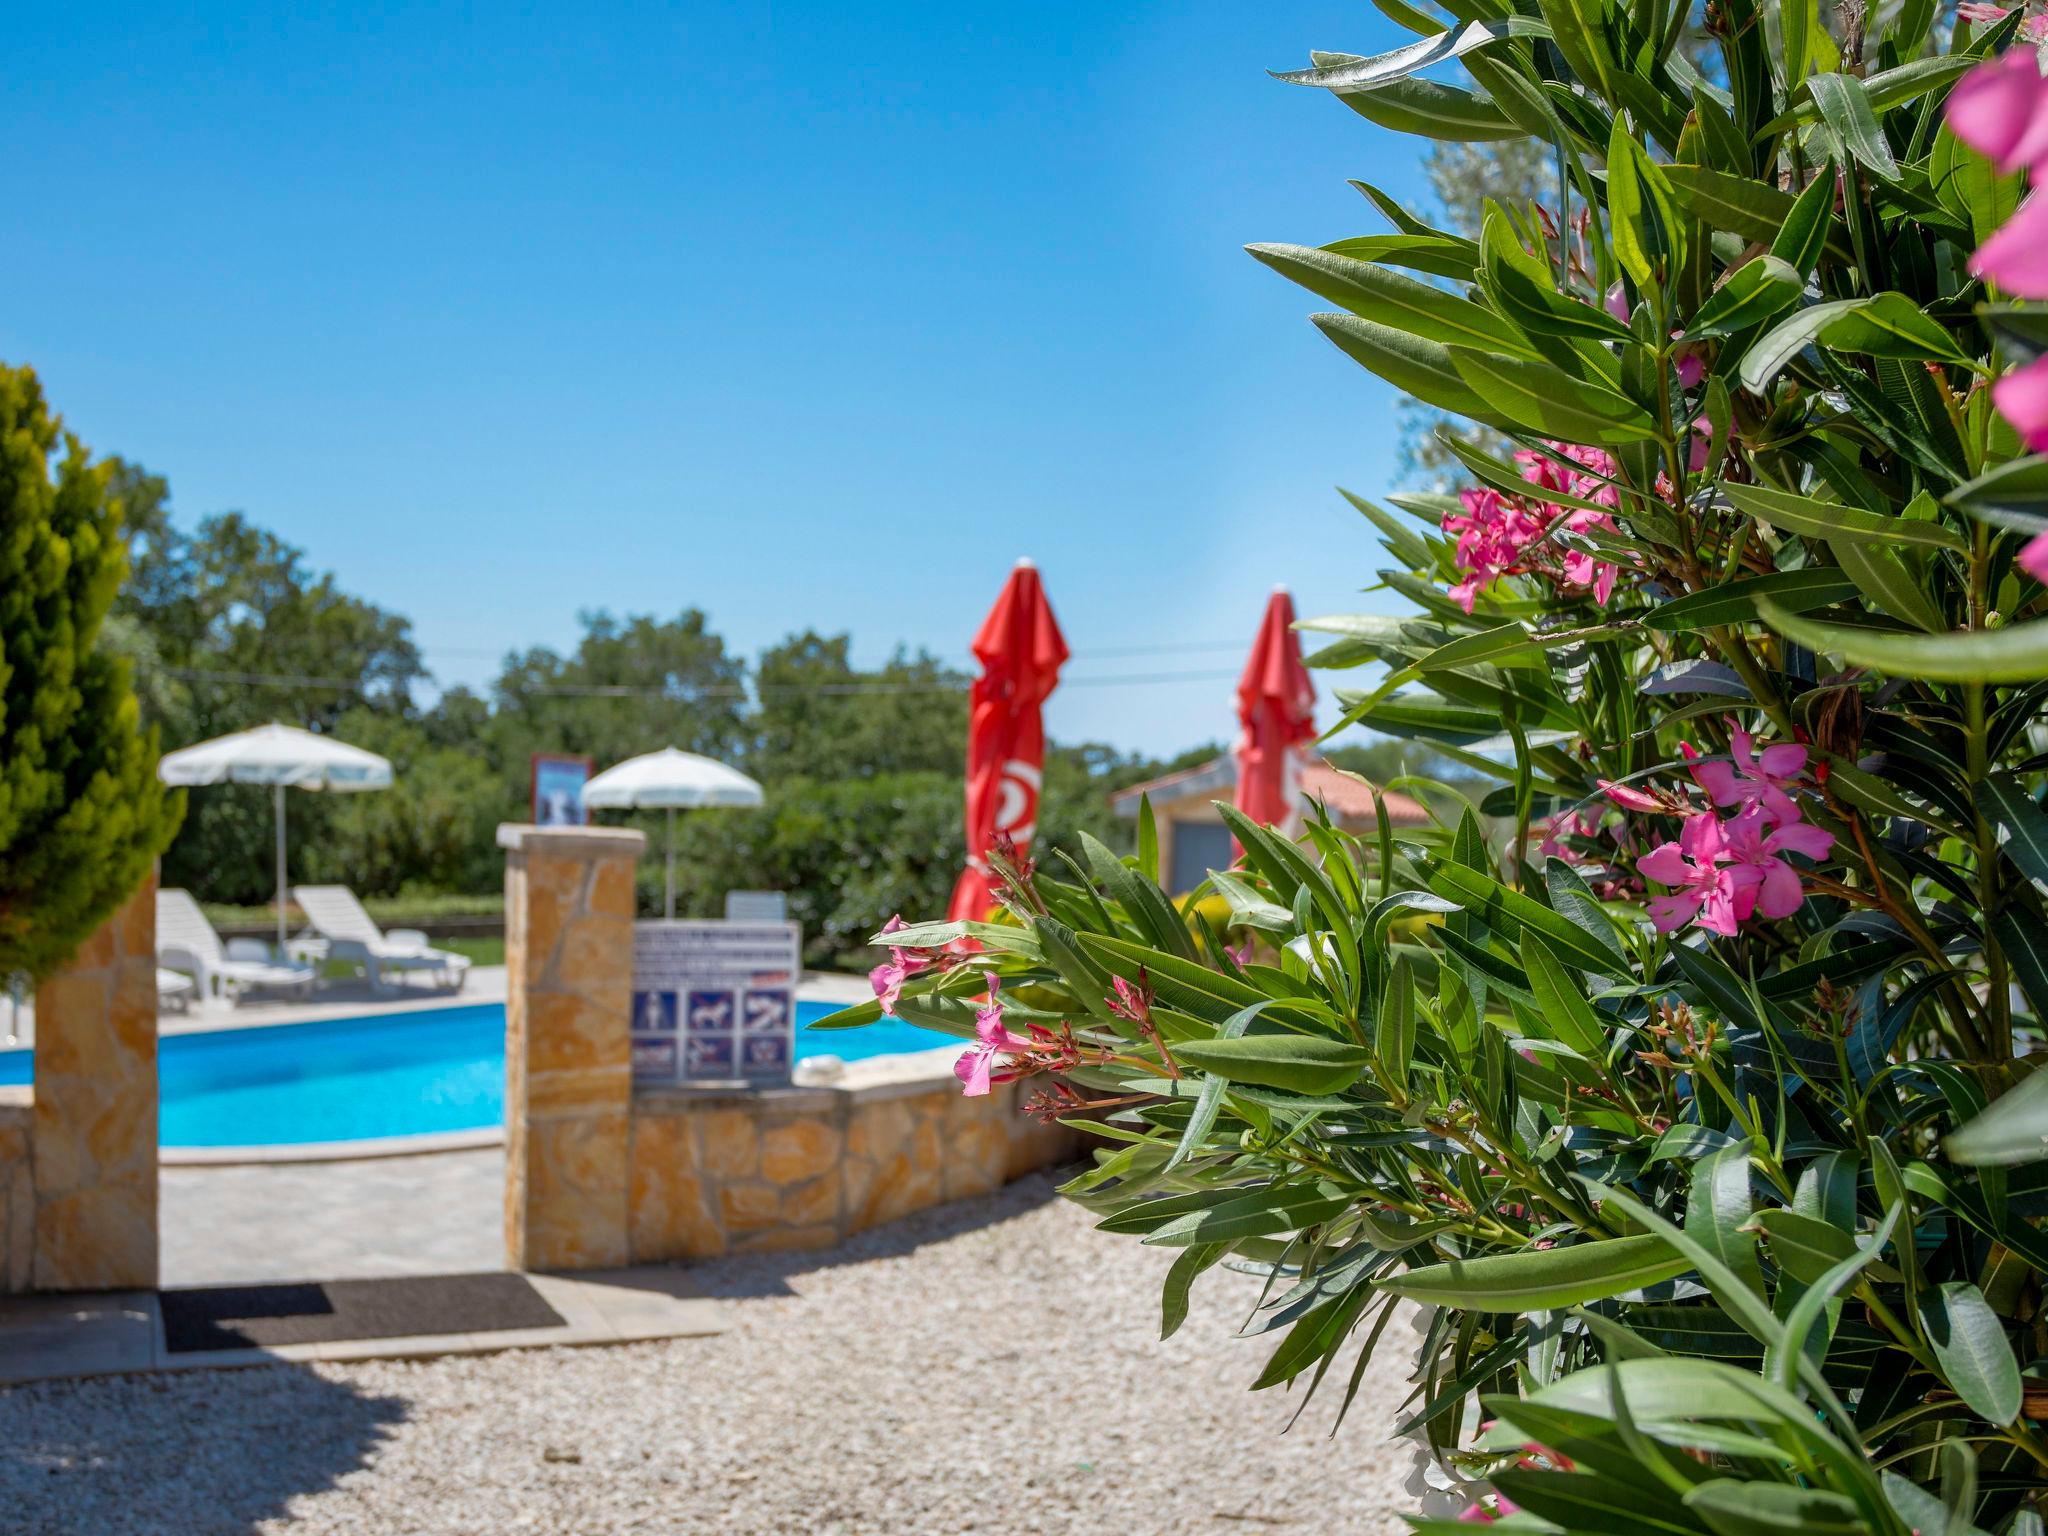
(568, 1043)
(94, 1130)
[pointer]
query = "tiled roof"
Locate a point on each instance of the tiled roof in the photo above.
(1345, 795)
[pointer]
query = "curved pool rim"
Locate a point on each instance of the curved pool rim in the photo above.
(477, 1073)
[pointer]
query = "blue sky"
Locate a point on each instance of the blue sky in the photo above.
(807, 314)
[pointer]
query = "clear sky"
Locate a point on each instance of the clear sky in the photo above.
(809, 314)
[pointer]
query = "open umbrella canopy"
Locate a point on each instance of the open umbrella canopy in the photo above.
(277, 754)
(284, 757)
(671, 780)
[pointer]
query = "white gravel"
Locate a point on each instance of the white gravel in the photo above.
(992, 1366)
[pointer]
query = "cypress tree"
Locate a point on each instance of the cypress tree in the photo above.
(82, 814)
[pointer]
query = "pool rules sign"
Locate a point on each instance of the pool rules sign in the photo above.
(714, 1002)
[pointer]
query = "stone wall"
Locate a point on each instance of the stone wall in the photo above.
(598, 1174)
(93, 1128)
(568, 1048)
(17, 1192)
(716, 1173)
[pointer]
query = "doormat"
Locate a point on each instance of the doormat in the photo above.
(252, 1316)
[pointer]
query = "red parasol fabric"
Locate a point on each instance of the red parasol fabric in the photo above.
(1276, 707)
(1021, 652)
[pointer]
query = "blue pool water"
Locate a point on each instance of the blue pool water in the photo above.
(405, 1074)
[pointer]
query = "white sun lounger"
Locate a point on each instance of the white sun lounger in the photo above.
(339, 919)
(185, 941)
(174, 989)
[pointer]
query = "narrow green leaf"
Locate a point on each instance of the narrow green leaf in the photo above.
(2021, 824)
(2013, 1130)
(1308, 1064)
(1210, 1101)
(1717, 1213)
(1543, 1278)
(1550, 400)
(1411, 364)
(1753, 294)
(1969, 1341)
(1431, 110)
(1738, 1507)
(1389, 298)
(1831, 520)
(2016, 654)
(1845, 107)
(1509, 913)
(1564, 1009)
(1735, 601)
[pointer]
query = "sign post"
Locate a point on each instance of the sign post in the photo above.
(558, 781)
(714, 1003)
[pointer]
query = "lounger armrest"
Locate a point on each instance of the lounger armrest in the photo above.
(176, 957)
(403, 940)
(249, 949)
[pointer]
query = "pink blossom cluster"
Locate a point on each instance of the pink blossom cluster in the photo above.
(1500, 535)
(2034, 28)
(1725, 869)
(888, 978)
(2000, 109)
(1562, 836)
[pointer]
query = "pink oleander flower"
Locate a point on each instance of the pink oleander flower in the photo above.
(2000, 109)
(1634, 799)
(1500, 535)
(2016, 256)
(1979, 14)
(887, 978)
(1706, 889)
(2033, 557)
(1617, 303)
(1776, 891)
(977, 1068)
(1692, 367)
(1764, 779)
(2022, 399)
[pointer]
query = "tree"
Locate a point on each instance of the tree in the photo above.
(818, 714)
(226, 628)
(82, 814)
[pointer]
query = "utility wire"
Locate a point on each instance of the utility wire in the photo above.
(686, 695)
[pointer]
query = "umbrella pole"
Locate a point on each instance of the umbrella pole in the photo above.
(668, 905)
(280, 871)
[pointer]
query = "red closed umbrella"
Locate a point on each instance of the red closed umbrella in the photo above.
(1021, 650)
(1276, 706)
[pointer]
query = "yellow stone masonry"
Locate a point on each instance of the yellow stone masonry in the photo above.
(92, 1136)
(600, 1175)
(716, 1173)
(568, 1062)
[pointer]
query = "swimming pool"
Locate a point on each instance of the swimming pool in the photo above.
(396, 1074)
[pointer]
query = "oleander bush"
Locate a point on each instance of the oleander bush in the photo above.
(1702, 1113)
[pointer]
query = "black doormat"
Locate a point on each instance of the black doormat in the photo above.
(248, 1316)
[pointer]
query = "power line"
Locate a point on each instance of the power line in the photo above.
(688, 695)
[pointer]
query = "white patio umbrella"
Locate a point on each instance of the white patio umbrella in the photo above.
(283, 756)
(670, 780)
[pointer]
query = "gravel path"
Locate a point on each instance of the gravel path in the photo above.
(987, 1367)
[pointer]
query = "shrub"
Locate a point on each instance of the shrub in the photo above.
(82, 815)
(1703, 1114)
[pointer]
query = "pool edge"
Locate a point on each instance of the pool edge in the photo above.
(334, 1151)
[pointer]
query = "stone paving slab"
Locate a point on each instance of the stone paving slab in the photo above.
(46, 1338)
